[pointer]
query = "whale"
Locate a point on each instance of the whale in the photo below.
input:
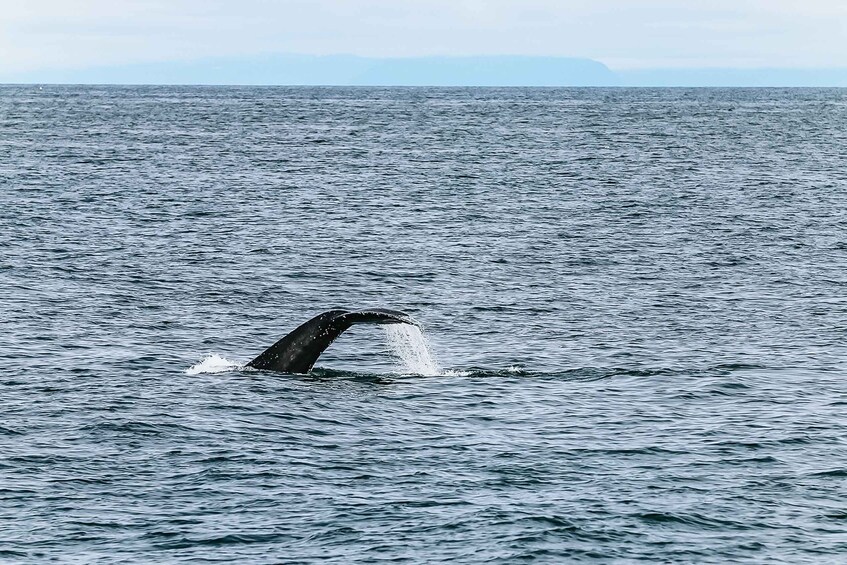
(298, 351)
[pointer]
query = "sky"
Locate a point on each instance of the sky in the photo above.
(624, 35)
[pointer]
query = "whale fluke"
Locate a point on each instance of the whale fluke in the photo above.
(298, 351)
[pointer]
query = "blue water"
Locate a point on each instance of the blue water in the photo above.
(637, 296)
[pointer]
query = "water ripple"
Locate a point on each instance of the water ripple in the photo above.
(633, 296)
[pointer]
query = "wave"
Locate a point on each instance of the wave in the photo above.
(416, 360)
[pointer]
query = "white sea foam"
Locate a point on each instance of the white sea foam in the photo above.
(212, 364)
(456, 373)
(410, 345)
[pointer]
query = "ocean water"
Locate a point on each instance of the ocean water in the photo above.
(635, 299)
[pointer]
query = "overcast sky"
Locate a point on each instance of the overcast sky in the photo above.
(59, 34)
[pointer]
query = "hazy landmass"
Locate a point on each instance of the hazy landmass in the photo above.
(422, 71)
(346, 70)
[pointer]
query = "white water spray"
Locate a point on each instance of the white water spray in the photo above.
(409, 344)
(212, 364)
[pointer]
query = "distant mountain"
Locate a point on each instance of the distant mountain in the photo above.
(423, 71)
(344, 70)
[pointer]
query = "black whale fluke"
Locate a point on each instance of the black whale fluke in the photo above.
(298, 351)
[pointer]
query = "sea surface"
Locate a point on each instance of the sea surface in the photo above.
(637, 299)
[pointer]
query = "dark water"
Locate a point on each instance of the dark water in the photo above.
(639, 296)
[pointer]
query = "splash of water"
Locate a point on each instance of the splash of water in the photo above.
(212, 364)
(410, 345)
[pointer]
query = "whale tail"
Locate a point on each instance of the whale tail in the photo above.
(298, 351)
